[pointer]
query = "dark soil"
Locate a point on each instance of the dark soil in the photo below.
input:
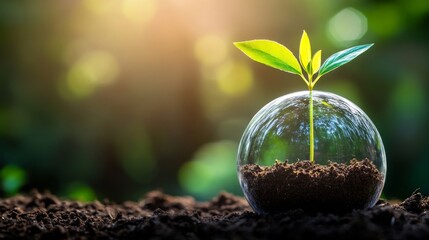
(332, 188)
(159, 216)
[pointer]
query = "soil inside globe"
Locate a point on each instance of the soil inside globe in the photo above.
(332, 188)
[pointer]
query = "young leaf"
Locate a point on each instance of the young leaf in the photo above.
(315, 62)
(270, 53)
(305, 52)
(340, 58)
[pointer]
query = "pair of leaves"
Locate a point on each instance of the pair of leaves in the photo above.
(280, 57)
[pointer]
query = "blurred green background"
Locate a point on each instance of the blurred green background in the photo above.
(114, 98)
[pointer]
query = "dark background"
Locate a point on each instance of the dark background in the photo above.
(106, 98)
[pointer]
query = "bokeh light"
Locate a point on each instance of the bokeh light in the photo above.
(211, 49)
(99, 7)
(93, 69)
(139, 11)
(234, 78)
(347, 26)
(80, 191)
(211, 170)
(12, 178)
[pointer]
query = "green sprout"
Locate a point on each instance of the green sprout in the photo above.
(275, 55)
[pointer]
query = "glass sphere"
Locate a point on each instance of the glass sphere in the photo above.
(349, 165)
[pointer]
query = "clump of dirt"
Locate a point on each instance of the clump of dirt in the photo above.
(331, 188)
(160, 216)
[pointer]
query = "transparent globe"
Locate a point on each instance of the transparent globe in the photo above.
(350, 162)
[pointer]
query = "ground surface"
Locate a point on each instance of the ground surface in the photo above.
(159, 216)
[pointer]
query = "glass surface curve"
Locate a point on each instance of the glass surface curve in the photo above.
(280, 131)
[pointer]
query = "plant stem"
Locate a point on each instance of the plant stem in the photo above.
(310, 88)
(315, 81)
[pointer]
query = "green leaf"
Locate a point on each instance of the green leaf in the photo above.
(270, 53)
(305, 52)
(315, 62)
(340, 58)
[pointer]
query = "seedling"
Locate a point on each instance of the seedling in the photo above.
(346, 163)
(275, 55)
